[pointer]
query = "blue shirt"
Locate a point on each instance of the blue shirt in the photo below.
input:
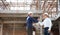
(30, 20)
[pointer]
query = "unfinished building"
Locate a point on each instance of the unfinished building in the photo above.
(13, 14)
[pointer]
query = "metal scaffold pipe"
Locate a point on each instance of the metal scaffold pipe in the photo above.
(40, 17)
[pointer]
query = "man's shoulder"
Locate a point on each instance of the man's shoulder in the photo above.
(29, 17)
(48, 19)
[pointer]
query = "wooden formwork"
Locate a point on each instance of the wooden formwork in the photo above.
(12, 28)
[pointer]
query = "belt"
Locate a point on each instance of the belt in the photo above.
(46, 27)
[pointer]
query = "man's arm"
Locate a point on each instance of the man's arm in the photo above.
(34, 20)
(50, 25)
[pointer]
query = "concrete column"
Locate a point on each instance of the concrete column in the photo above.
(1, 29)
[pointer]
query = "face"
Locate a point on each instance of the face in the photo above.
(43, 16)
(31, 15)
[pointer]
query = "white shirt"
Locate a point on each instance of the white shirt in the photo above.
(47, 23)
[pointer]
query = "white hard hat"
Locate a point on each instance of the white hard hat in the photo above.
(30, 12)
(46, 13)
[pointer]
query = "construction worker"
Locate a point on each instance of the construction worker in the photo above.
(46, 23)
(29, 22)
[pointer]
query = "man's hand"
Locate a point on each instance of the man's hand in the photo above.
(49, 31)
(38, 19)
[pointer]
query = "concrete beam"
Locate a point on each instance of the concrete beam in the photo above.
(17, 15)
(14, 22)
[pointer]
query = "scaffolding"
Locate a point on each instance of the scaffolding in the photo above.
(12, 23)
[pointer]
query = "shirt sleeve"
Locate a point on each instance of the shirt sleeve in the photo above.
(34, 20)
(50, 25)
(40, 23)
(43, 22)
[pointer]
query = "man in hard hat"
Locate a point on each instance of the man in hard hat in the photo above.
(46, 23)
(29, 22)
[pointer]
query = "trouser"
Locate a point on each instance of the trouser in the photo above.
(46, 31)
(29, 31)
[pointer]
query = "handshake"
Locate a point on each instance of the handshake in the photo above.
(37, 25)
